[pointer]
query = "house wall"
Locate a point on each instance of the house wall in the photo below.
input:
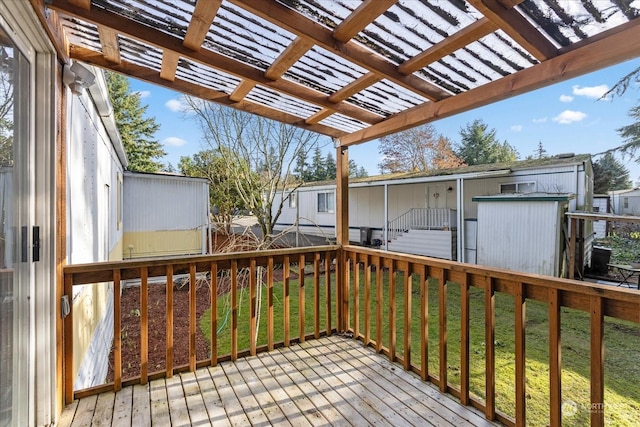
(626, 203)
(94, 232)
(164, 215)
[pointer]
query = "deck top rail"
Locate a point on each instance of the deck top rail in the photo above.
(371, 293)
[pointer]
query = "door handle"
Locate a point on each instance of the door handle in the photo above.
(36, 244)
(24, 247)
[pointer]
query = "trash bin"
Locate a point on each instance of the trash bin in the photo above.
(365, 236)
(600, 257)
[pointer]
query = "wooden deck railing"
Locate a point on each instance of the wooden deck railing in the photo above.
(237, 273)
(404, 306)
(374, 318)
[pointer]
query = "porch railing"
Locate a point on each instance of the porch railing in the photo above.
(234, 276)
(382, 285)
(422, 219)
(404, 306)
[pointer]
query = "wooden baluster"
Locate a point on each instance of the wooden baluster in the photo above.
(192, 317)
(144, 325)
(117, 333)
(301, 298)
(424, 323)
(555, 359)
(379, 274)
(214, 313)
(270, 341)
(367, 302)
(356, 296)
(327, 290)
(234, 310)
(464, 340)
(392, 312)
(442, 311)
(316, 295)
(169, 302)
(490, 325)
(252, 307)
(407, 317)
(597, 361)
(287, 303)
(521, 360)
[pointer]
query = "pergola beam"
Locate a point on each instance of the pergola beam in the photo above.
(150, 76)
(516, 26)
(365, 14)
(456, 41)
(589, 57)
(203, 16)
(208, 58)
(352, 51)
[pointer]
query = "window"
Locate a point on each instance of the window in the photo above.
(325, 202)
(292, 199)
(625, 201)
(518, 187)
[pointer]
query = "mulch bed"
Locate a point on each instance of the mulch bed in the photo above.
(130, 324)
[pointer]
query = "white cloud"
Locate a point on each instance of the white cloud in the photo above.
(174, 141)
(540, 120)
(569, 116)
(175, 105)
(594, 92)
(516, 128)
(566, 98)
(144, 93)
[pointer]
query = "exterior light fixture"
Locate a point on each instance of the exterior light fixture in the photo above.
(77, 78)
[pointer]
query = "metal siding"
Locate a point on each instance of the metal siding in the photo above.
(520, 236)
(158, 203)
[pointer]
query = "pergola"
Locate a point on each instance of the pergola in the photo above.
(353, 70)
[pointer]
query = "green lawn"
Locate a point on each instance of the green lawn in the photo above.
(622, 347)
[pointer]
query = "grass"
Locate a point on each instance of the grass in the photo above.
(622, 347)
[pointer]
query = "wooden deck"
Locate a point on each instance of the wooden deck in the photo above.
(331, 381)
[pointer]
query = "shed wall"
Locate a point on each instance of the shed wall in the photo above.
(520, 236)
(164, 215)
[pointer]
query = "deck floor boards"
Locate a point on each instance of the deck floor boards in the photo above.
(328, 382)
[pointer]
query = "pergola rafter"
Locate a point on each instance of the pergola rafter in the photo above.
(354, 74)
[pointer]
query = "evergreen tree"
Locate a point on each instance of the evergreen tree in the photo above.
(609, 174)
(317, 171)
(540, 152)
(480, 146)
(355, 171)
(329, 167)
(631, 134)
(135, 130)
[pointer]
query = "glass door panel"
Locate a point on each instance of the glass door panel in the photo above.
(14, 233)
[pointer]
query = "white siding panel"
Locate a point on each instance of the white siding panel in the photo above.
(164, 203)
(520, 236)
(433, 243)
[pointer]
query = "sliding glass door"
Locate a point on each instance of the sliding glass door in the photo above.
(15, 232)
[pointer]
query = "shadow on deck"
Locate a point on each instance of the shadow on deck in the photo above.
(330, 381)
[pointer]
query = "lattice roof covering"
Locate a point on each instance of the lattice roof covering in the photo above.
(351, 69)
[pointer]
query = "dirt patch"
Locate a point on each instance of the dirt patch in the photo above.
(157, 330)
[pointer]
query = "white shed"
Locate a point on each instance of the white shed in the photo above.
(522, 232)
(164, 215)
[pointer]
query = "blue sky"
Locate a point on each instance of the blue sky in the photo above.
(565, 117)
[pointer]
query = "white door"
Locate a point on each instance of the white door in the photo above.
(436, 196)
(16, 232)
